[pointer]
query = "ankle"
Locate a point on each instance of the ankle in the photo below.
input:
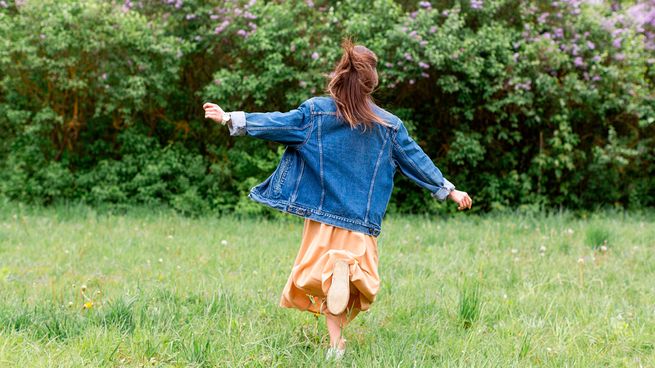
(339, 344)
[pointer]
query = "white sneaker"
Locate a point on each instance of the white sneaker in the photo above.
(334, 353)
(339, 293)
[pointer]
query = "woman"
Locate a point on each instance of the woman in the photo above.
(342, 152)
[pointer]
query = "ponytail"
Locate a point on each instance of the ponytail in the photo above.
(355, 78)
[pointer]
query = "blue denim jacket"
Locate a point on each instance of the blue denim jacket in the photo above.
(333, 173)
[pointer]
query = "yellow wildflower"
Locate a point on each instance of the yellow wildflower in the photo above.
(88, 305)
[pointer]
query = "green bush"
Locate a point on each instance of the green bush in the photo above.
(522, 104)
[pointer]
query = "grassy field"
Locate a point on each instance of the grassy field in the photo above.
(80, 288)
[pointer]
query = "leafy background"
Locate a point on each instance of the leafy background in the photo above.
(526, 104)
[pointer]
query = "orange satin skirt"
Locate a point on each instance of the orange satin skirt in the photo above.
(311, 275)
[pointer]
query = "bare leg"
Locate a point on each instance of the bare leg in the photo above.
(335, 325)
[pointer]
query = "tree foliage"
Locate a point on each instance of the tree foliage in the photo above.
(535, 104)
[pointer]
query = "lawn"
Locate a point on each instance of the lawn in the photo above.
(85, 288)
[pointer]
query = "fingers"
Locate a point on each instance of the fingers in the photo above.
(218, 117)
(211, 107)
(465, 203)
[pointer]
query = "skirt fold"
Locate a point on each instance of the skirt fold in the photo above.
(311, 276)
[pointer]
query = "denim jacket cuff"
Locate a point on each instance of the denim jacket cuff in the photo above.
(444, 191)
(237, 123)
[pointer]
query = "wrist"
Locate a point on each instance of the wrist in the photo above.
(226, 118)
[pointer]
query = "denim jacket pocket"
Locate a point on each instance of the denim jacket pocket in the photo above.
(281, 175)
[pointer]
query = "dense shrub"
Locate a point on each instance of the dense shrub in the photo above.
(521, 103)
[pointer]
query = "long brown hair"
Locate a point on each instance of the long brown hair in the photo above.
(355, 78)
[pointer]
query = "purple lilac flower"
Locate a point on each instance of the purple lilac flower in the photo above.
(309, 3)
(619, 56)
(425, 4)
(3, 4)
(411, 81)
(578, 61)
(217, 82)
(591, 45)
(252, 26)
(477, 4)
(214, 17)
(596, 58)
(190, 16)
(515, 57)
(408, 57)
(559, 32)
(617, 42)
(315, 55)
(639, 13)
(249, 15)
(433, 29)
(423, 43)
(542, 18)
(104, 76)
(413, 34)
(292, 47)
(413, 14)
(251, 3)
(617, 32)
(242, 33)
(596, 78)
(388, 65)
(178, 4)
(423, 65)
(222, 26)
(425, 75)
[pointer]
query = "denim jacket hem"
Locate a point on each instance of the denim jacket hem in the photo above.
(316, 215)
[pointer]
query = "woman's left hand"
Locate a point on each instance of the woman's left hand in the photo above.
(214, 112)
(461, 198)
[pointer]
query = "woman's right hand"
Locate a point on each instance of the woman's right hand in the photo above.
(214, 112)
(461, 198)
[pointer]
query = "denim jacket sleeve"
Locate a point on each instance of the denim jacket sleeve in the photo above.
(290, 128)
(416, 165)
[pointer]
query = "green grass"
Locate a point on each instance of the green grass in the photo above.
(468, 291)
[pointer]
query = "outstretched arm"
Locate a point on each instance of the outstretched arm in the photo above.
(290, 128)
(417, 166)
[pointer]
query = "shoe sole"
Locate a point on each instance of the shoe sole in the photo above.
(339, 293)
